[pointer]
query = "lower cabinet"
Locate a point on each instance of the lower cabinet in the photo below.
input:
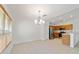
(56, 35)
(66, 40)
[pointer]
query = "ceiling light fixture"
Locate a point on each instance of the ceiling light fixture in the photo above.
(40, 19)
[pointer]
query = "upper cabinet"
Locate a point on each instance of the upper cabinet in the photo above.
(68, 26)
(64, 27)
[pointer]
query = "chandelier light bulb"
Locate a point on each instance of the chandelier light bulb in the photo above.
(43, 22)
(35, 21)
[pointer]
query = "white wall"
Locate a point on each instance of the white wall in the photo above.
(45, 30)
(76, 30)
(26, 30)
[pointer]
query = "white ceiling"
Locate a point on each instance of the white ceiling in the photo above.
(26, 11)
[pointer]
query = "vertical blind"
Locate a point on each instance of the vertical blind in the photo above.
(5, 30)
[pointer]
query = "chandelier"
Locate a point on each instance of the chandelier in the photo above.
(40, 19)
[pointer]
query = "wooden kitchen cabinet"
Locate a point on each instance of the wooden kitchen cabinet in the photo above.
(56, 35)
(67, 27)
(56, 27)
(66, 40)
(57, 30)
